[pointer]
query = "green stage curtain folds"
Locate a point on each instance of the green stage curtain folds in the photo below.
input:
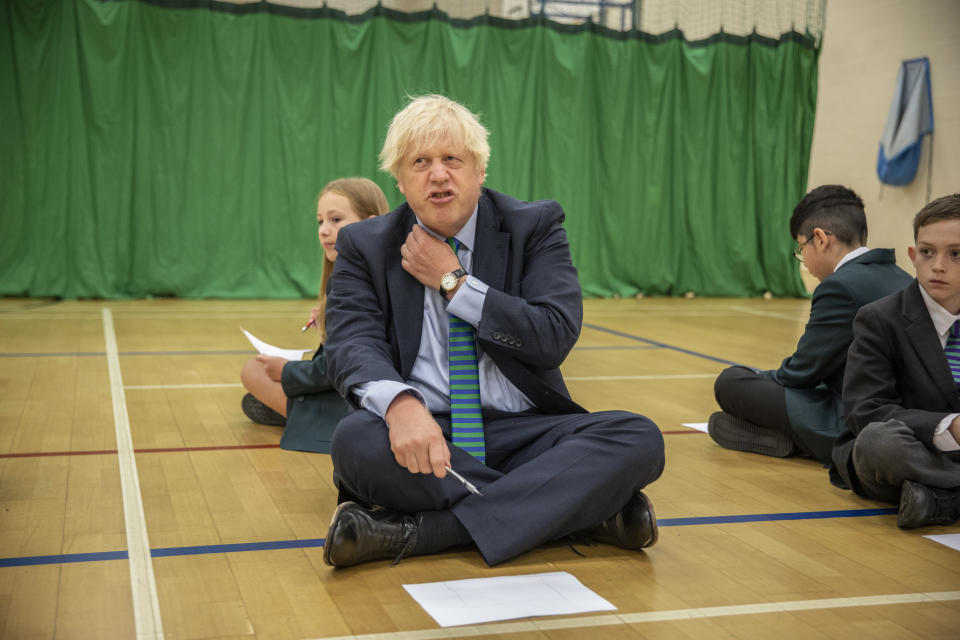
(178, 149)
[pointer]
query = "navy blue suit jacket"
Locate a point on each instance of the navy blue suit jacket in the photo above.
(531, 317)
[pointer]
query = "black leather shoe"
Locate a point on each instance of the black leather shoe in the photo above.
(921, 506)
(633, 527)
(358, 534)
(261, 413)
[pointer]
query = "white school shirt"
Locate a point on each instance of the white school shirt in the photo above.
(942, 321)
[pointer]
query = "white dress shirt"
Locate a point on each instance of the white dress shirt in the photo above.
(428, 379)
(942, 321)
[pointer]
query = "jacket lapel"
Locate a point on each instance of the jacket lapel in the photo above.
(406, 294)
(919, 329)
(492, 245)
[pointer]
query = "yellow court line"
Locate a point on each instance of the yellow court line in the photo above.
(771, 314)
(533, 626)
(212, 385)
(146, 604)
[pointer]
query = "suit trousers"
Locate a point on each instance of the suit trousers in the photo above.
(887, 453)
(546, 476)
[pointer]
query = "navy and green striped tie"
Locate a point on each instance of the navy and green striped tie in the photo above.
(466, 419)
(952, 351)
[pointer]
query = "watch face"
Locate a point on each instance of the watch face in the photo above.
(448, 281)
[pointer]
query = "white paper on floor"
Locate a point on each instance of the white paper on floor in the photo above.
(952, 540)
(457, 602)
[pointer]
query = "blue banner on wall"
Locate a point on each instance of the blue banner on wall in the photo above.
(910, 118)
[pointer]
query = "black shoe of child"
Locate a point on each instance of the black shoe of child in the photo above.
(261, 413)
(732, 432)
(921, 506)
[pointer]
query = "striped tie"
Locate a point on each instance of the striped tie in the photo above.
(466, 420)
(952, 351)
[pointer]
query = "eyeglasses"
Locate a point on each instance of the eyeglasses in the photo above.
(798, 252)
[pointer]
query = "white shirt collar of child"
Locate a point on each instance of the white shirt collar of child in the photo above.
(942, 319)
(856, 253)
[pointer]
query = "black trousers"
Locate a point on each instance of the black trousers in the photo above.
(546, 476)
(743, 392)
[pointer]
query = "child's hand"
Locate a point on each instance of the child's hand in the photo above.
(273, 365)
(313, 321)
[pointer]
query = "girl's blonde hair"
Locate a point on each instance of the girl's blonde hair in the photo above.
(367, 199)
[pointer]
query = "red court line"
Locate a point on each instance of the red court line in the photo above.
(43, 454)
(101, 452)
(222, 448)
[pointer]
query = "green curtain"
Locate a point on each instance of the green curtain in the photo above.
(160, 150)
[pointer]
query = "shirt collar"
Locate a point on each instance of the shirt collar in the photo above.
(942, 319)
(856, 253)
(466, 235)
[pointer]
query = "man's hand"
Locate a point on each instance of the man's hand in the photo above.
(954, 429)
(415, 437)
(273, 366)
(427, 258)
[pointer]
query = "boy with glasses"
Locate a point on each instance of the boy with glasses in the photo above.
(796, 408)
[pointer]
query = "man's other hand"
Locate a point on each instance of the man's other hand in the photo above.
(416, 439)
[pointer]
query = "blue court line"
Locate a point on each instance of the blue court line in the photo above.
(662, 345)
(241, 546)
(69, 557)
(617, 347)
(69, 354)
(318, 542)
(767, 517)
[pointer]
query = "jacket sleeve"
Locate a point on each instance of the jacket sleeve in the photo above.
(539, 321)
(357, 346)
(305, 377)
(870, 385)
(822, 349)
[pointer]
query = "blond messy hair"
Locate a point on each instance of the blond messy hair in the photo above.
(431, 120)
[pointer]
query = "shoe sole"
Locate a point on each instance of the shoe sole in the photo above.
(260, 413)
(330, 531)
(731, 432)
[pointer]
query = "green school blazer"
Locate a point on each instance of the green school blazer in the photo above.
(313, 407)
(813, 375)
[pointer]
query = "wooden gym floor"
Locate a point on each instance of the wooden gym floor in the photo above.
(138, 500)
